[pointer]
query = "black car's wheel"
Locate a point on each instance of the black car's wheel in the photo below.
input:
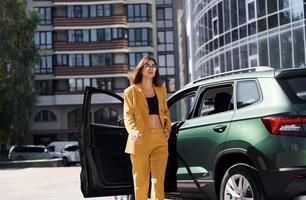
(65, 161)
(241, 182)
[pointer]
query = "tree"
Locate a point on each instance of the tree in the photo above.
(18, 56)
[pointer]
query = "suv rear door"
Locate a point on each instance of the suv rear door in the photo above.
(293, 84)
(201, 137)
(106, 168)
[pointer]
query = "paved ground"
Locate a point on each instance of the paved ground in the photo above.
(55, 183)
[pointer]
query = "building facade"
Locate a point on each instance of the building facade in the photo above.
(95, 43)
(234, 34)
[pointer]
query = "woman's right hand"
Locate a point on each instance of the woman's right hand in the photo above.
(136, 137)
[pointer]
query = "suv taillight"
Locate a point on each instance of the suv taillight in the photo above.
(287, 126)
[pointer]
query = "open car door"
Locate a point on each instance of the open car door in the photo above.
(106, 168)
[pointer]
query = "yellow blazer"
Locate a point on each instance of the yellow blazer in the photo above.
(136, 115)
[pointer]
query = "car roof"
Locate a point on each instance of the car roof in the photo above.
(30, 146)
(247, 73)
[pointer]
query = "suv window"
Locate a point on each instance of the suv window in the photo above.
(216, 100)
(295, 88)
(247, 93)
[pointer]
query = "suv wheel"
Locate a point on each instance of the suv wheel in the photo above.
(241, 182)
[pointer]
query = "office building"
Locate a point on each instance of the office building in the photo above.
(228, 35)
(96, 43)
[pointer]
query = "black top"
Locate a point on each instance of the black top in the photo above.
(153, 105)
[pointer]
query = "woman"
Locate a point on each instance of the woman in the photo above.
(147, 120)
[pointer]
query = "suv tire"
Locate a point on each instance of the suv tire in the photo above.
(241, 173)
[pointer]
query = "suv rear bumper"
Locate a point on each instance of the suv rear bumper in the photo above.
(284, 183)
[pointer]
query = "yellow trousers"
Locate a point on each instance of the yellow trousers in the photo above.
(153, 160)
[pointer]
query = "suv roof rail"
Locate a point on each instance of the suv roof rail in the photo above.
(250, 69)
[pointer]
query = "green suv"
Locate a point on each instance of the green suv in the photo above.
(234, 136)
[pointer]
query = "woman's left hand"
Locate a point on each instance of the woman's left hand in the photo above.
(167, 133)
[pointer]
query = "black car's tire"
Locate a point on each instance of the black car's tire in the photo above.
(65, 161)
(241, 173)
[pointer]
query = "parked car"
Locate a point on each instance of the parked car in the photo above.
(234, 136)
(58, 146)
(31, 152)
(71, 154)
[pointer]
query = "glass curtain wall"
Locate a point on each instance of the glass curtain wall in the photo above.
(235, 34)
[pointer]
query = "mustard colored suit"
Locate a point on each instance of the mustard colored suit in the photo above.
(151, 153)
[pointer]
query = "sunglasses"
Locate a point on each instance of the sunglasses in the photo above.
(152, 66)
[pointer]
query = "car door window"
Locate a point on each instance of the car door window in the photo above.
(247, 93)
(102, 113)
(215, 100)
(181, 108)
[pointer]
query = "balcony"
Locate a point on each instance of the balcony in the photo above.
(68, 71)
(81, 46)
(96, 21)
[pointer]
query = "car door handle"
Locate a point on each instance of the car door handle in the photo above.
(220, 129)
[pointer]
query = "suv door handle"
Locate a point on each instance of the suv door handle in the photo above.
(220, 128)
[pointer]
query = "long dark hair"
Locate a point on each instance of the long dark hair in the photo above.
(135, 76)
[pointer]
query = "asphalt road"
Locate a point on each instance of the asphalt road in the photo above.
(54, 183)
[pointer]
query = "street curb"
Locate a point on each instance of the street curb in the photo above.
(57, 162)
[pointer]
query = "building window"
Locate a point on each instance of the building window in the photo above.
(78, 35)
(251, 10)
(62, 60)
(272, 6)
(140, 37)
(164, 17)
(61, 85)
(44, 87)
(227, 18)
(166, 64)
(44, 66)
(43, 40)
(79, 60)
(139, 12)
(106, 116)
(165, 41)
(102, 83)
(78, 84)
(104, 59)
(163, 2)
(253, 55)
(242, 12)
(104, 34)
(108, 34)
(75, 11)
(75, 118)
(45, 16)
(134, 58)
(45, 116)
(215, 26)
(103, 10)
(120, 83)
